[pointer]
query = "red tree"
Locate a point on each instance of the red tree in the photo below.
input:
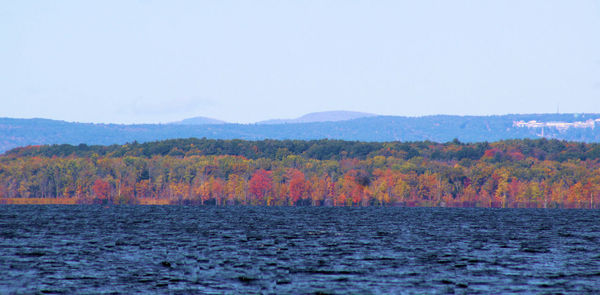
(297, 185)
(101, 189)
(260, 184)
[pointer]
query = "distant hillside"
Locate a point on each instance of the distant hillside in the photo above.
(199, 121)
(440, 128)
(331, 116)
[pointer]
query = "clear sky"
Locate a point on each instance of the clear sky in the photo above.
(243, 61)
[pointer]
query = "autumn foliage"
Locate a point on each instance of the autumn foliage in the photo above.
(519, 173)
(260, 185)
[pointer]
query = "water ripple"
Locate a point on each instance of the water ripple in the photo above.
(170, 249)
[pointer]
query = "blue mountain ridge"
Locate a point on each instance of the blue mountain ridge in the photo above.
(438, 128)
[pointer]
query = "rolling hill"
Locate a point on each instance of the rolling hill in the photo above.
(331, 116)
(438, 128)
(199, 121)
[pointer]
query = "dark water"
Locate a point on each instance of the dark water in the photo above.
(180, 250)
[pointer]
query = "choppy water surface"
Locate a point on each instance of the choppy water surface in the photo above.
(88, 249)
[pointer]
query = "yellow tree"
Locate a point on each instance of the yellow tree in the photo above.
(318, 189)
(501, 176)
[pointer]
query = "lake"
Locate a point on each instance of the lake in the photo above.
(280, 250)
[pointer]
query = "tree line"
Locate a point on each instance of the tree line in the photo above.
(514, 173)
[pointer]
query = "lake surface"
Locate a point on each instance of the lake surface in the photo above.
(180, 250)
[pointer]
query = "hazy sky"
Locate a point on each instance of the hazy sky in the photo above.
(244, 61)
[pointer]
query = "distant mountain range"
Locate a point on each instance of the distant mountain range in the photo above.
(330, 116)
(199, 121)
(439, 128)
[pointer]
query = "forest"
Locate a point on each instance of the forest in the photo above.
(523, 173)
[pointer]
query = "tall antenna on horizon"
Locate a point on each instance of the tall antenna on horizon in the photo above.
(557, 108)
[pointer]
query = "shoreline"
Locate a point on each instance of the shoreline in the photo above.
(169, 202)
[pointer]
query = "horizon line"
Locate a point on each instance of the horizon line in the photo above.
(261, 122)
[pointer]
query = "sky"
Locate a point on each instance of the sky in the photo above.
(246, 61)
